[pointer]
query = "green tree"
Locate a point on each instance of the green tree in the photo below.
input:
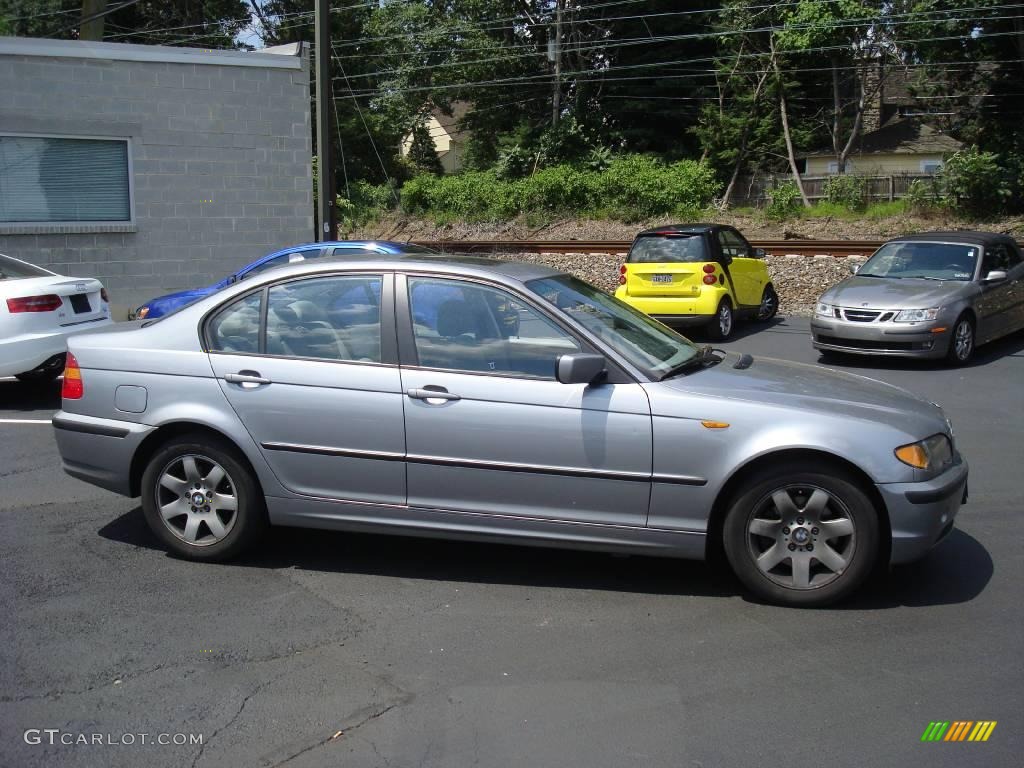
(423, 152)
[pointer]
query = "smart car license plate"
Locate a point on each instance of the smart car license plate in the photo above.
(661, 278)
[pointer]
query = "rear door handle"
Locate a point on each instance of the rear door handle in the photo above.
(246, 377)
(432, 396)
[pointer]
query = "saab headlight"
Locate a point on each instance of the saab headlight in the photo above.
(825, 310)
(916, 315)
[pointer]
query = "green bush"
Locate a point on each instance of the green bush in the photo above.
(974, 183)
(632, 187)
(783, 201)
(848, 191)
(921, 196)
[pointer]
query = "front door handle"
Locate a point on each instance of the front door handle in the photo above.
(432, 395)
(251, 378)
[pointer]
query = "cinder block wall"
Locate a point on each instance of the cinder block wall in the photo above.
(220, 155)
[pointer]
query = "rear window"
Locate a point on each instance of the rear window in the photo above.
(12, 268)
(660, 248)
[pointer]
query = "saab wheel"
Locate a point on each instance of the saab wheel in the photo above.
(961, 343)
(720, 328)
(800, 535)
(201, 499)
(769, 305)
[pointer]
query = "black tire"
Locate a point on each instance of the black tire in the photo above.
(769, 305)
(244, 526)
(722, 324)
(961, 341)
(851, 556)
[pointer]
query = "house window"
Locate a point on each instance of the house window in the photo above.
(51, 179)
(931, 166)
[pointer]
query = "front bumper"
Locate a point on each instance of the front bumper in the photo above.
(922, 514)
(921, 340)
(99, 451)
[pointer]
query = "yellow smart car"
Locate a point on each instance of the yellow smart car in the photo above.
(697, 274)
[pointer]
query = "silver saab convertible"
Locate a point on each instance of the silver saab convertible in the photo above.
(478, 399)
(935, 295)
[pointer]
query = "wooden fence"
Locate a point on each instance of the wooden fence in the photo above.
(754, 190)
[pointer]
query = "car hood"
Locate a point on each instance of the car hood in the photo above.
(809, 388)
(893, 293)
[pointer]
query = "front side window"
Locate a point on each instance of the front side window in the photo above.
(52, 179)
(326, 318)
(646, 343)
(236, 328)
(661, 249)
(930, 261)
(732, 244)
(468, 327)
(999, 257)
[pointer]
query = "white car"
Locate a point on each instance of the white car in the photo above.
(39, 309)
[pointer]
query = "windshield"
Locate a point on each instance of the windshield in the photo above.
(938, 261)
(12, 268)
(646, 343)
(658, 249)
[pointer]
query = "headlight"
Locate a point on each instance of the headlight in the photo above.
(825, 310)
(142, 313)
(916, 315)
(931, 453)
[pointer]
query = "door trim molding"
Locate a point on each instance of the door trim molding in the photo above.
(498, 466)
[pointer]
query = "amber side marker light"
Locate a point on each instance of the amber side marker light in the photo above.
(941, 329)
(715, 424)
(914, 455)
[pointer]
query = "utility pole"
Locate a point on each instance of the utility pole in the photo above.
(94, 14)
(556, 99)
(328, 229)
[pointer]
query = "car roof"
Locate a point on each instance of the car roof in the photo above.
(972, 237)
(681, 228)
(476, 266)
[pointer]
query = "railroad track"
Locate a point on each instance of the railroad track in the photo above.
(834, 248)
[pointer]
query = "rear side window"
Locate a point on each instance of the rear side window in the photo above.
(236, 328)
(12, 268)
(655, 249)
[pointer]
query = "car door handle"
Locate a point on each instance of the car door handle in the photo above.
(245, 377)
(439, 395)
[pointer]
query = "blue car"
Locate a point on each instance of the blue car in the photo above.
(162, 305)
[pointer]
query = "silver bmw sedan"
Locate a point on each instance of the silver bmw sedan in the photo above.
(486, 400)
(936, 295)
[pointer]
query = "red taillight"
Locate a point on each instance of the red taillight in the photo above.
(622, 275)
(709, 268)
(47, 303)
(622, 269)
(103, 295)
(73, 388)
(709, 280)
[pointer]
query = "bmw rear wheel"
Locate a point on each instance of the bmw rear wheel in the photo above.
(201, 499)
(720, 328)
(802, 535)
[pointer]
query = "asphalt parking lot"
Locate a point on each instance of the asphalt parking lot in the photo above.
(360, 650)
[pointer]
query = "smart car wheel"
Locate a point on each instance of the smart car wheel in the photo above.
(801, 536)
(769, 304)
(201, 500)
(961, 343)
(720, 328)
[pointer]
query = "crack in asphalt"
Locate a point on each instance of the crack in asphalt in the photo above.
(401, 702)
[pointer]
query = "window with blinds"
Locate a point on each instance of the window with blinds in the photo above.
(51, 179)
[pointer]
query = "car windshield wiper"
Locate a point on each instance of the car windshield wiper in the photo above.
(927, 277)
(872, 274)
(705, 356)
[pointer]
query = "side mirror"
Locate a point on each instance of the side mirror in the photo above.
(295, 257)
(854, 269)
(579, 368)
(995, 276)
(232, 279)
(760, 253)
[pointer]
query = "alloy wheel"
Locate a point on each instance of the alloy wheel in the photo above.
(801, 537)
(197, 500)
(963, 340)
(724, 320)
(769, 305)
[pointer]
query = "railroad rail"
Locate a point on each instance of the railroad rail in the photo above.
(834, 248)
